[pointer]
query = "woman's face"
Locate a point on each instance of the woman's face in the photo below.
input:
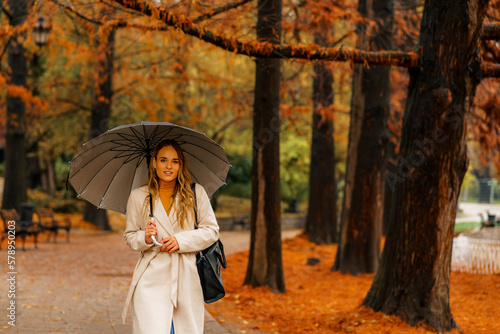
(167, 164)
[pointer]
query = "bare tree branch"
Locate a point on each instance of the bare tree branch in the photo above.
(3, 10)
(77, 13)
(489, 70)
(491, 31)
(268, 50)
(219, 10)
(6, 46)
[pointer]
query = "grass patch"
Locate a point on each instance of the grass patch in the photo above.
(226, 205)
(467, 226)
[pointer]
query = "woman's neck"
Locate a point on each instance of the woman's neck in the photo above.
(167, 187)
(166, 191)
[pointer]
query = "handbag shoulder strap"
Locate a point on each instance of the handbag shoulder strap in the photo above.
(223, 259)
(193, 188)
(221, 246)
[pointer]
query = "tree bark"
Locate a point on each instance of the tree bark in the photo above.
(390, 169)
(101, 111)
(321, 220)
(40, 171)
(362, 212)
(265, 267)
(414, 275)
(412, 21)
(15, 186)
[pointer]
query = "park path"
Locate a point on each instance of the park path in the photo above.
(469, 212)
(80, 286)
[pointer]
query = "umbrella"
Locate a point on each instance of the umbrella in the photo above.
(110, 166)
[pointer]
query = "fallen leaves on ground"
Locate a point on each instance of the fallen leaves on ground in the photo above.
(318, 300)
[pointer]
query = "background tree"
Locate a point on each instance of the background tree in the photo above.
(407, 16)
(362, 210)
(413, 277)
(40, 166)
(101, 108)
(321, 219)
(485, 120)
(15, 187)
(265, 267)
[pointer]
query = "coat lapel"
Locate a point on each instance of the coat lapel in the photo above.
(165, 223)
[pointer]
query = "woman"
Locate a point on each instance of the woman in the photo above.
(165, 293)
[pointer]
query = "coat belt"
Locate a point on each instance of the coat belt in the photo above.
(174, 270)
(174, 273)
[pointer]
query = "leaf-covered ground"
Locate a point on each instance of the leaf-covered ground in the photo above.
(321, 301)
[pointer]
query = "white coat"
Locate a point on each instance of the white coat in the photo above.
(166, 287)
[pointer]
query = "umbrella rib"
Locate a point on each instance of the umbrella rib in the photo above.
(209, 151)
(206, 166)
(205, 139)
(134, 148)
(133, 153)
(162, 134)
(194, 177)
(135, 172)
(99, 144)
(116, 173)
(101, 168)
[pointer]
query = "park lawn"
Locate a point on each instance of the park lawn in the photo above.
(320, 301)
(467, 226)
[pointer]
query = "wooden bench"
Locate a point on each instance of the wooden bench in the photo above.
(240, 219)
(49, 223)
(489, 221)
(19, 228)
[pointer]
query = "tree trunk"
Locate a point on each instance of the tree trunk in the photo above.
(181, 98)
(414, 276)
(40, 171)
(389, 191)
(359, 245)
(101, 111)
(412, 22)
(48, 179)
(321, 221)
(265, 267)
(15, 186)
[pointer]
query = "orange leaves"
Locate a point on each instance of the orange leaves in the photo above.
(320, 301)
(486, 120)
(27, 96)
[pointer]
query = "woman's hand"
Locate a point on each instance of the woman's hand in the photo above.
(170, 244)
(150, 231)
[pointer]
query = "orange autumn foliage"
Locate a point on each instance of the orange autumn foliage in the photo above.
(321, 301)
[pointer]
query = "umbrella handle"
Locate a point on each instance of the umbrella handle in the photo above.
(153, 218)
(156, 242)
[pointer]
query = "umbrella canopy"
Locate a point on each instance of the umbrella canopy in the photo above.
(110, 166)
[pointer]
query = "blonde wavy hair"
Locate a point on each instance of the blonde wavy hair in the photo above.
(183, 196)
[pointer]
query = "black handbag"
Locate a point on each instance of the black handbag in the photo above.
(209, 262)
